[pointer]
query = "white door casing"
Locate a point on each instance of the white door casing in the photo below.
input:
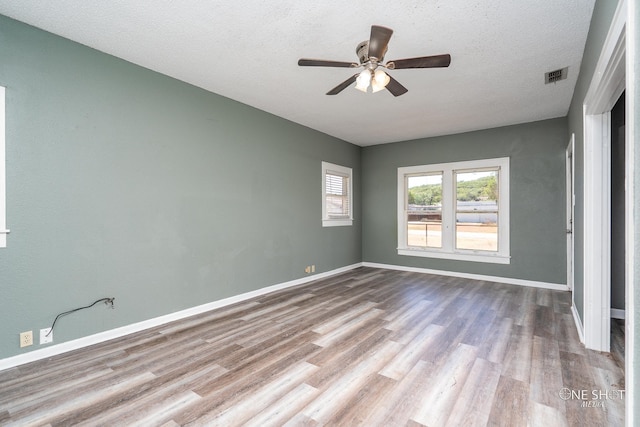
(606, 86)
(571, 201)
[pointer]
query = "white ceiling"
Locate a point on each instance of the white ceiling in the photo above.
(247, 50)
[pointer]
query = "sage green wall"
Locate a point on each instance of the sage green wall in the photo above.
(600, 22)
(537, 181)
(125, 183)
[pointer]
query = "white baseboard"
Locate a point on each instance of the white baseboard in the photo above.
(508, 280)
(578, 322)
(79, 343)
(616, 313)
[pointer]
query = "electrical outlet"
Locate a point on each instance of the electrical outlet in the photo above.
(44, 338)
(26, 339)
(313, 268)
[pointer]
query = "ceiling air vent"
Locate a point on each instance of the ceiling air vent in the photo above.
(556, 76)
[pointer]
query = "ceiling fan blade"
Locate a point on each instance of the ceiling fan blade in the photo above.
(395, 87)
(378, 41)
(304, 62)
(342, 86)
(434, 61)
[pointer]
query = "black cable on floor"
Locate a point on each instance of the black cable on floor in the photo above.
(107, 301)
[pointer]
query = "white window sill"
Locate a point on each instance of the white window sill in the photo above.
(336, 222)
(475, 257)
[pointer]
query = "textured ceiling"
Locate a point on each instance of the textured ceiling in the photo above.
(247, 50)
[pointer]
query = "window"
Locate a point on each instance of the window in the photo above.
(337, 198)
(455, 211)
(3, 223)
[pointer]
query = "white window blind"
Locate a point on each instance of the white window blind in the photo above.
(337, 197)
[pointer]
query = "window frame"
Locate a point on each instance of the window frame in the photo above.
(448, 249)
(3, 192)
(345, 172)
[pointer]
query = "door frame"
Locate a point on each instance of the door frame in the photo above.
(571, 202)
(607, 84)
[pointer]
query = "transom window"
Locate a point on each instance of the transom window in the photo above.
(455, 210)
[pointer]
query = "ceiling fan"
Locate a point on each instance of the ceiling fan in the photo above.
(371, 54)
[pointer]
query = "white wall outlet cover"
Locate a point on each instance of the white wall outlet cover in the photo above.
(26, 339)
(44, 339)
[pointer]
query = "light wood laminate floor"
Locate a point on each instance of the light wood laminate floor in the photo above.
(368, 347)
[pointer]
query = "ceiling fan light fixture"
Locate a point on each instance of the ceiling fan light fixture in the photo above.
(371, 54)
(363, 80)
(380, 81)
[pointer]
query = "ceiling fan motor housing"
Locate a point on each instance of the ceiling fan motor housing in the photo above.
(362, 50)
